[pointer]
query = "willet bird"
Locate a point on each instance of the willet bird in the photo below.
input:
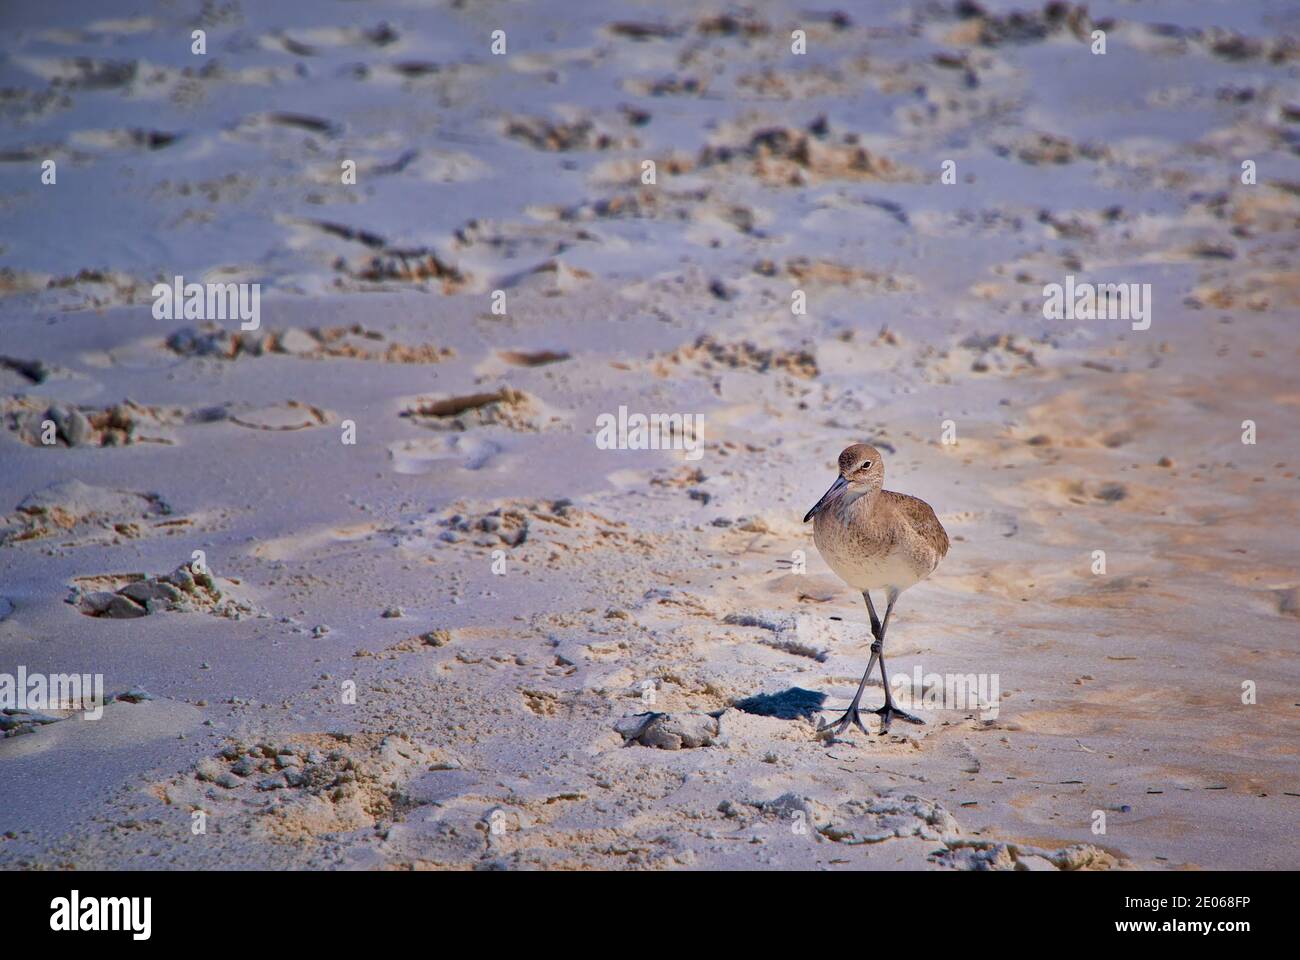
(874, 539)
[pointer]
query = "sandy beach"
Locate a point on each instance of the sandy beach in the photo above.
(367, 589)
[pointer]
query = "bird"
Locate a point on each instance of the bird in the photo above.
(874, 539)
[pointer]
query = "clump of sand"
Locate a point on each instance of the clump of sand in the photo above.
(669, 731)
(708, 353)
(429, 640)
(983, 28)
(789, 156)
(73, 425)
(352, 342)
(505, 407)
(184, 590)
(419, 267)
(504, 525)
(1040, 148)
(561, 137)
(983, 855)
(819, 271)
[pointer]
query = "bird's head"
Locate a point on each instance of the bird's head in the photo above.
(861, 472)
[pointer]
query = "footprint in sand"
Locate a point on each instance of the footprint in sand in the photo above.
(59, 425)
(533, 358)
(307, 784)
(78, 514)
(289, 415)
(309, 543)
(427, 455)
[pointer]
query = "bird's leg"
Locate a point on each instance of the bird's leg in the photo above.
(851, 715)
(889, 711)
(871, 609)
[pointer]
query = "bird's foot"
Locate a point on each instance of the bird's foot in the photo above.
(829, 731)
(889, 713)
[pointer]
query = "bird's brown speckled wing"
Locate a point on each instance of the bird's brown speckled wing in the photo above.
(920, 515)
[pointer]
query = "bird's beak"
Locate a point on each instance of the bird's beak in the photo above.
(839, 484)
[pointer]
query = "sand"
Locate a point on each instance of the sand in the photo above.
(474, 638)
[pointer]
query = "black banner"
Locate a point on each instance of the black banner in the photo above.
(130, 909)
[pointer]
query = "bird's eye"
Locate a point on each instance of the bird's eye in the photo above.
(866, 465)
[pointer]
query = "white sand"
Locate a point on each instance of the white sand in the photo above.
(484, 728)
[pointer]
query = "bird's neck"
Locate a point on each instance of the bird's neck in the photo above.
(848, 497)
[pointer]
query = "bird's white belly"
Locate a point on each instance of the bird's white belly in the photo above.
(862, 570)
